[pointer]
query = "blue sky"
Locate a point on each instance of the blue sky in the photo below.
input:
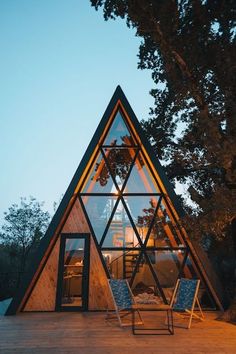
(60, 63)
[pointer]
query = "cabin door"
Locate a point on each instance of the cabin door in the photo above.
(72, 289)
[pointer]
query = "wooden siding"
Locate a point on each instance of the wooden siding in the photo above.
(76, 221)
(43, 296)
(99, 292)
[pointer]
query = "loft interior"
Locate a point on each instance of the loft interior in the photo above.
(119, 218)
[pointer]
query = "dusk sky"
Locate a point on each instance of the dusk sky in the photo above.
(60, 63)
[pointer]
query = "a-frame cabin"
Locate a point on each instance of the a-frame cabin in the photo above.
(119, 218)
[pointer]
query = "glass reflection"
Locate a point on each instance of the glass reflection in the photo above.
(99, 179)
(119, 161)
(144, 286)
(73, 272)
(99, 209)
(120, 232)
(121, 264)
(134, 219)
(140, 179)
(119, 133)
(142, 210)
(166, 266)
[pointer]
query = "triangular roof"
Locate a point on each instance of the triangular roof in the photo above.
(118, 100)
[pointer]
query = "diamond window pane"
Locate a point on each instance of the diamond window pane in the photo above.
(120, 232)
(142, 210)
(119, 161)
(99, 179)
(99, 209)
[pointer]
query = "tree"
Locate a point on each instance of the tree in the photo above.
(190, 48)
(189, 45)
(24, 226)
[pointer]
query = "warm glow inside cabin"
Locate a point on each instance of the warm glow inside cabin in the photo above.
(118, 219)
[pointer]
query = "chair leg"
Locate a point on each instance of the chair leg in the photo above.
(192, 314)
(114, 315)
(200, 309)
(190, 320)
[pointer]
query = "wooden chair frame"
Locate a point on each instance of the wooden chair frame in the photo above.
(120, 313)
(187, 311)
(134, 308)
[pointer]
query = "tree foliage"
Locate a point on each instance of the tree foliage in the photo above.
(189, 46)
(24, 226)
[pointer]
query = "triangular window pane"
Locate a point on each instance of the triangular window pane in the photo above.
(141, 179)
(159, 235)
(99, 179)
(173, 230)
(119, 133)
(119, 161)
(144, 286)
(164, 232)
(142, 210)
(120, 232)
(167, 266)
(99, 209)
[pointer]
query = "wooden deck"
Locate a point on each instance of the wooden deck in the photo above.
(89, 333)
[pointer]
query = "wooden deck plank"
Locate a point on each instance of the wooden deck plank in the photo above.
(87, 333)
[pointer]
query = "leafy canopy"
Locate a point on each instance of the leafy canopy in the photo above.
(25, 224)
(189, 46)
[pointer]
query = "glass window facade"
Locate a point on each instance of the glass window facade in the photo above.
(131, 218)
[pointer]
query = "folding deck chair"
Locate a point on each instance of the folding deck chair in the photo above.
(125, 304)
(123, 301)
(184, 299)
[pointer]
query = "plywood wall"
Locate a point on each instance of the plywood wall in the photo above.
(76, 221)
(43, 296)
(99, 292)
